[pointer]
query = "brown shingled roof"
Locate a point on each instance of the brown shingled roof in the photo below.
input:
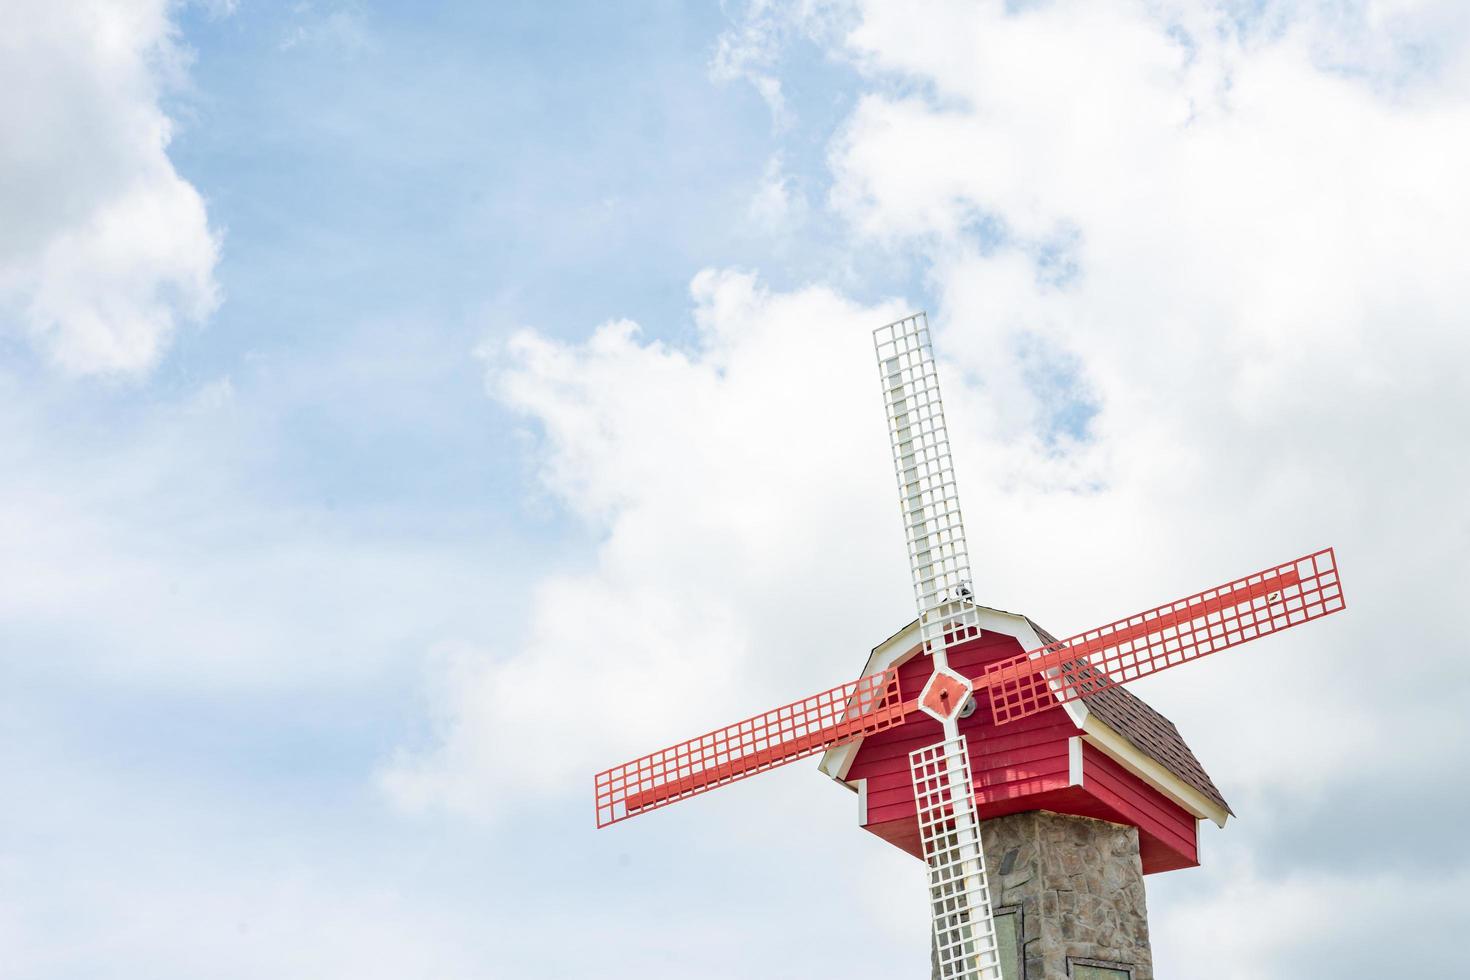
(1148, 731)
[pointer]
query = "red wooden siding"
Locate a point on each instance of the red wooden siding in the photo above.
(1168, 835)
(1021, 766)
(1018, 761)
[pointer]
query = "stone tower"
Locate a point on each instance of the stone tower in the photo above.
(1068, 898)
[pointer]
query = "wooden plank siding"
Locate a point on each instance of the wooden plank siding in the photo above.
(1024, 765)
(1019, 760)
(1169, 831)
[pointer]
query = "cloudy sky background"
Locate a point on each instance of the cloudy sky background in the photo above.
(408, 414)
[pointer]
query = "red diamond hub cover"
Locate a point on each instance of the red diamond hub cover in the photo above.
(945, 694)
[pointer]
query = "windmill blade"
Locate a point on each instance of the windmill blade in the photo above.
(959, 895)
(1228, 615)
(949, 825)
(864, 706)
(938, 557)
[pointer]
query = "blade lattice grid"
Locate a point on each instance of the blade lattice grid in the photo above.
(1228, 615)
(949, 826)
(862, 707)
(926, 485)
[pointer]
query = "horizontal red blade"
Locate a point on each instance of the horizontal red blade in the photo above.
(862, 707)
(1228, 615)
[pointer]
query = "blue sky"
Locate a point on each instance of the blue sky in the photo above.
(370, 370)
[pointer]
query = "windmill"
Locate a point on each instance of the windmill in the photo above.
(1015, 687)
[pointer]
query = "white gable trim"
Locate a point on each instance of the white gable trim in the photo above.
(895, 651)
(1145, 767)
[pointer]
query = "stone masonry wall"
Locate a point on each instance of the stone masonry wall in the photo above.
(1079, 885)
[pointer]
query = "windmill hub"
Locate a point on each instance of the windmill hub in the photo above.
(945, 695)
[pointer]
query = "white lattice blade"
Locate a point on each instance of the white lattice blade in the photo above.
(959, 896)
(926, 487)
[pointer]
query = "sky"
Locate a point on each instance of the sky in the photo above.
(410, 410)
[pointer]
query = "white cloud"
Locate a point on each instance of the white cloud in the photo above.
(105, 249)
(279, 922)
(752, 48)
(748, 53)
(342, 29)
(208, 550)
(1255, 926)
(778, 206)
(726, 480)
(128, 872)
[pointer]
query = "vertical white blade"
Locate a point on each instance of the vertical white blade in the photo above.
(959, 897)
(949, 824)
(926, 485)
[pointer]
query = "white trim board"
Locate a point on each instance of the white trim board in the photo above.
(1145, 767)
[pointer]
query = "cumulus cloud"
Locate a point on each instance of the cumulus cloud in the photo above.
(778, 206)
(1255, 924)
(105, 250)
(725, 479)
(749, 54)
(342, 29)
(754, 47)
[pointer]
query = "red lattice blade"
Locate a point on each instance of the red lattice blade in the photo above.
(862, 707)
(1228, 615)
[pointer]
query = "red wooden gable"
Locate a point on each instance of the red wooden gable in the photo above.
(1025, 765)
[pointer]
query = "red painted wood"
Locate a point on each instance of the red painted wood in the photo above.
(1145, 807)
(1155, 855)
(747, 747)
(1022, 766)
(1153, 622)
(1246, 609)
(1029, 757)
(901, 833)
